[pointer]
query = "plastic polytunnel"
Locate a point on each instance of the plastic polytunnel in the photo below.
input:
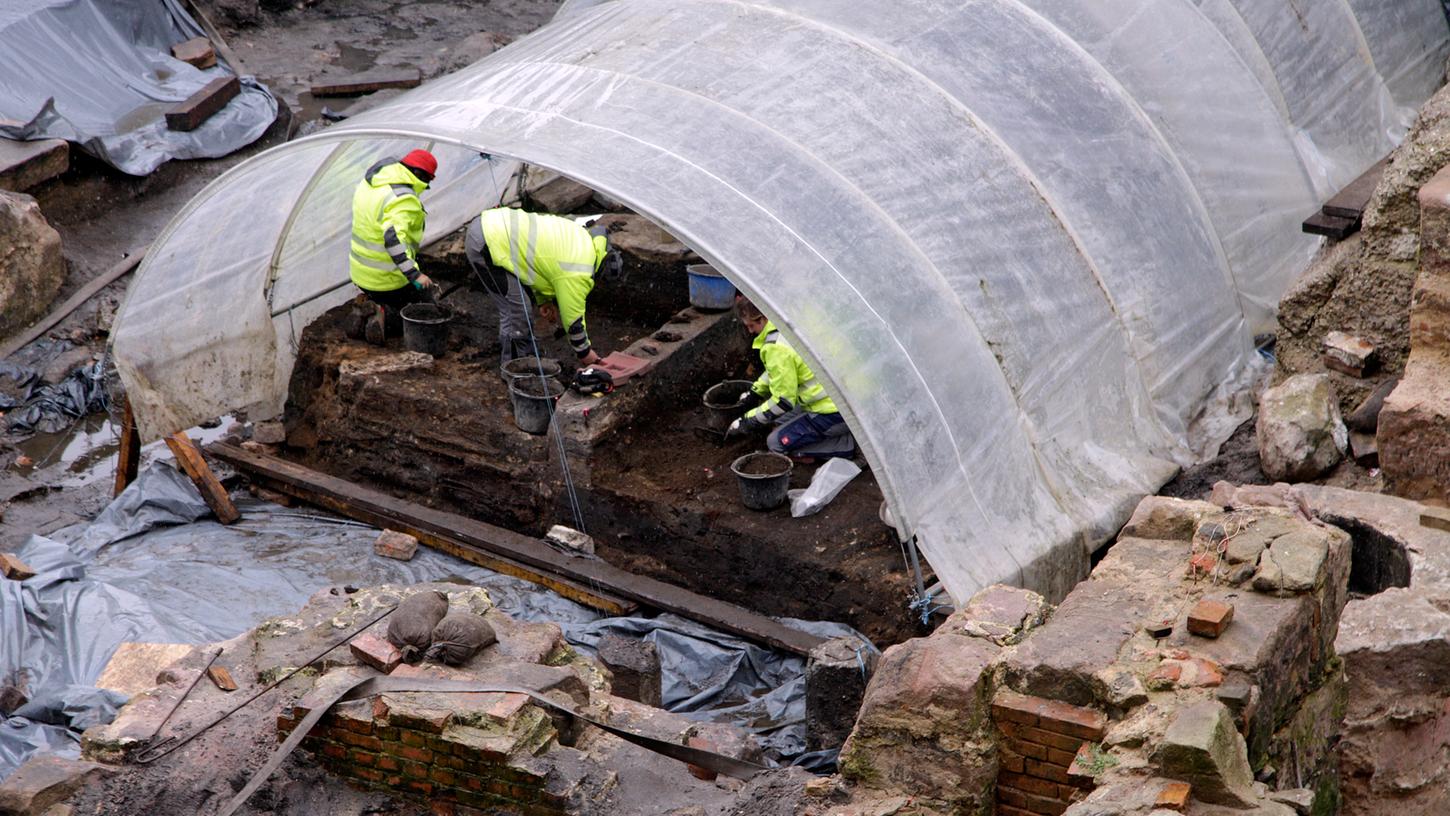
(1023, 242)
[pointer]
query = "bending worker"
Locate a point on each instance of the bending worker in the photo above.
(558, 260)
(387, 227)
(808, 426)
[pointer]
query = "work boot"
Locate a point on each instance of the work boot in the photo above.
(355, 324)
(375, 330)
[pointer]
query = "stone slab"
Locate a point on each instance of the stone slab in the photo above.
(46, 780)
(134, 666)
(26, 164)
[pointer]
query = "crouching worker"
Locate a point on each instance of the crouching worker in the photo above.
(808, 426)
(557, 260)
(387, 227)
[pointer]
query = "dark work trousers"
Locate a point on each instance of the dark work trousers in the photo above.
(393, 302)
(514, 338)
(821, 436)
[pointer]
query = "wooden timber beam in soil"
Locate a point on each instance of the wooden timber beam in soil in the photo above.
(365, 504)
(1340, 217)
(188, 456)
(128, 458)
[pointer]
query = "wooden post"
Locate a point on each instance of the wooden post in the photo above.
(128, 458)
(189, 457)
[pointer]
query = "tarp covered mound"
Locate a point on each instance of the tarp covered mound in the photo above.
(100, 73)
(1022, 241)
(153, 568)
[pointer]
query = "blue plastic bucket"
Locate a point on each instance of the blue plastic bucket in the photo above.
(709, 289)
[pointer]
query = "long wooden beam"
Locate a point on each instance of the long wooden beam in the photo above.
(375, 507)
(188, 456)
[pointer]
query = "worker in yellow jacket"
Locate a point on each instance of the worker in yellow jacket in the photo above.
(387, 228)
(808, 425)
(555, 258)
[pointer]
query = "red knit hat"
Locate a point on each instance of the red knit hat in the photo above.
(422, 160)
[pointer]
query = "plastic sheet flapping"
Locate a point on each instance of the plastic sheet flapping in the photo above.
(1022, 243)
(99, 73)
(151, 567)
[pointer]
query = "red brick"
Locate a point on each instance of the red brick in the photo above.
(1209, 618)
(443, 776)
(1010, 706)
(1174, 796)
(415, 754)
(417, 770)
(1052, 740)
(1031, 750)
(695, 770)
(389, 763)
(1079, 773)
(507, 706)
(332, 749)
(1008, 810)
(1202, 564)
(412, 739)
(1057, 757)
(393, 544)
(420, 786)
(1028, 784)
(442, 807)
(374, 651)
(1165, 676)
(358, 740)
(1046, 770)
(1010, 761)
(1011, 797)
(1073, 721)
(1046, 805)
(418, 718)
(363, 758)
(370, 774)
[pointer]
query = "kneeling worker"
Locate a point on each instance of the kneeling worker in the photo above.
(558, 260)
(808, 426)
(387, 227)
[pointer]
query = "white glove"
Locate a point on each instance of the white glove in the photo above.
(737, 428)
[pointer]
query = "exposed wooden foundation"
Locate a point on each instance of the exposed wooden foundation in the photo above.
(461, 535)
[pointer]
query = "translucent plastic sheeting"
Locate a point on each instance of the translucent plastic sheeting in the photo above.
(153, 568)
(1025, 243)
(100, 73)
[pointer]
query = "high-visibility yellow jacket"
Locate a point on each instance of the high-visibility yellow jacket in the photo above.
(387, 227)
(787, 383)
(553, 256)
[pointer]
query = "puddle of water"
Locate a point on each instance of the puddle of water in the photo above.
(355, 59)
(87, 451)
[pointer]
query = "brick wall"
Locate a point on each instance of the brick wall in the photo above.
(1040, 740)
(468, 758)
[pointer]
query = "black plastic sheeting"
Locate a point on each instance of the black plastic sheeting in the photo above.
(34, 406)
(99, 73)
(151, 567)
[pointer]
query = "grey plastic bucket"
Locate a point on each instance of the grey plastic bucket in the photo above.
(722, 400)
(533, 399)
(529, 367)
(425, 328)
(763, 491)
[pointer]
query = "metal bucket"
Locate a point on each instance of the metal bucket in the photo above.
(722, 400)
(533, 399)
(425, 328)
(765, 490)
(529, 367)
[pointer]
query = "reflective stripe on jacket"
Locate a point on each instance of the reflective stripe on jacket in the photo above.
(787, 383)
(553, 256)
(387, 227)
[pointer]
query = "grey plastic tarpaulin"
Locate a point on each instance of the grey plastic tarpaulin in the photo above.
(99, 73)
(154, 567)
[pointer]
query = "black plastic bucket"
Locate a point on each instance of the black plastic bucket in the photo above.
(764, 478)
(723, 402)
(425, 328)
(529, 367)
(533, 399)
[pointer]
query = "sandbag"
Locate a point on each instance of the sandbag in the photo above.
(410, 628)
(459, 636)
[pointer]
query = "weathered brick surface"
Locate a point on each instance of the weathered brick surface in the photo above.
(1209, 618)
(377, 652)
(1046, 737)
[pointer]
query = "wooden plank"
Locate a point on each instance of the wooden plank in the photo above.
(592, 597)
(26, 164)
(369, 82)
(128, 458)
(1331, 226)
(71, 303)
(222, 678)
(1351, 201)
(381, 509)
(196, 51)
(200, 106)
(217, 39)
(188, 456)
